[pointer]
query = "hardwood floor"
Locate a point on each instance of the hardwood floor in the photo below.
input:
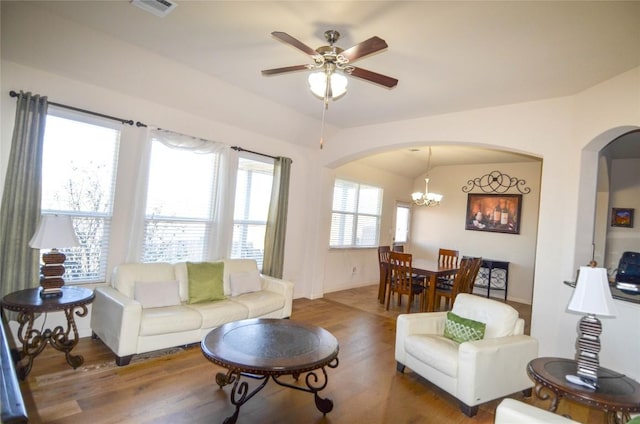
(179, 387)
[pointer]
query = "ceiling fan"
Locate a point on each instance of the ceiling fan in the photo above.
(333, 63)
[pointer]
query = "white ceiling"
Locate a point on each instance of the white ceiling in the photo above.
(447, 55)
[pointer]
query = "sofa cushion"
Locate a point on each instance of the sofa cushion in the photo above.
(205, 281)
(244, 282)
(438, 352)
(500, 318)
(170, 319)
(462, 330)
(182, 275)
(214, 314)
(125, 276)
(261, 302)
(156, 294)
(233, 266)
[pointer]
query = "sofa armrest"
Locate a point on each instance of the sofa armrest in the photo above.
(115, 319)
(491, 367)
(283, 287)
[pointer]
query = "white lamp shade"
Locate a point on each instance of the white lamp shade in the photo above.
(592, 294)
(54, 231)
(318, 84)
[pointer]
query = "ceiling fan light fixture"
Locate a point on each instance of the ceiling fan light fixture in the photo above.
(318, 84)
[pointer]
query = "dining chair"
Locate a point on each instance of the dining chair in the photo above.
(462, 282)
(472, 273)
(402, 281)
(383, 263)
(450, 259)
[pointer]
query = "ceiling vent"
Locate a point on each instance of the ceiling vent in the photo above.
(157, 7)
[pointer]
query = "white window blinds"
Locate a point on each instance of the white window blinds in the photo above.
(180, 202)
(355, 218)
(253, 194)
(78, 179)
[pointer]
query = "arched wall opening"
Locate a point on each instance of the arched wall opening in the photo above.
(443, 226)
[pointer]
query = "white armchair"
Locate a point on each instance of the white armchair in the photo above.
(474, 372)
(511, 411)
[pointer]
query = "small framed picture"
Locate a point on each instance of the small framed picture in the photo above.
(622, 217)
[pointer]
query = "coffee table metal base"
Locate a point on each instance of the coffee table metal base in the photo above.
(240, 393)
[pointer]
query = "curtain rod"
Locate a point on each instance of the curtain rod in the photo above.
(240, 149)
(123, 121)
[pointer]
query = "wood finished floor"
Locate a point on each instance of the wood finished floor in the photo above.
(180, 387)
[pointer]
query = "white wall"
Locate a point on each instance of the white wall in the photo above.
(444, 225)
(339, 263)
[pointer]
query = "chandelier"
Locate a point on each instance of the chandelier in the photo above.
(426, 198)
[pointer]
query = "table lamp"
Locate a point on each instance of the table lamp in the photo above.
(54, 231)
(592, 297)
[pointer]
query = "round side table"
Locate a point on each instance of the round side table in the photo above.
(28, 303)
(616, 394)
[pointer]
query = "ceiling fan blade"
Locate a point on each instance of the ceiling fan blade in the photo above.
(374, 77)
(367, 47)
(283, 36)
(276, 71)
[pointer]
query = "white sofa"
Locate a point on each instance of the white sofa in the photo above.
(473, 371)
(128, 328)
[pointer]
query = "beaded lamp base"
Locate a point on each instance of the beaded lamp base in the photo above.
(51, 273)
(588, 348)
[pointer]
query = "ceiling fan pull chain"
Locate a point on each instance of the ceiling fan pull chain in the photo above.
(324, 109)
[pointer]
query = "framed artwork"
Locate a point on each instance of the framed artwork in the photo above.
(622, 217)
(497, 213)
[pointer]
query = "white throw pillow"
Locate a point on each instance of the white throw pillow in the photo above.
(244, 282)
(156, 294)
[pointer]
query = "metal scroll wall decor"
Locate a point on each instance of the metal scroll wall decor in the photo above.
(496, 182)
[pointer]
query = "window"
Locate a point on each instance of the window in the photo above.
(179, 207)
(355, 219)
(253, 195)
(78, 179)
(403, 214)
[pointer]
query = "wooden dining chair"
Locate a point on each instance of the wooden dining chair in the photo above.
(450, 259)
(383, 263)
(462, 282)
(472, 273)
(401, 280)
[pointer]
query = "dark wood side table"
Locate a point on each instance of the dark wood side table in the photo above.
(616, 394)
(263, 349)
(28, 303)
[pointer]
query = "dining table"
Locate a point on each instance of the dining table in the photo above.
(431, 270)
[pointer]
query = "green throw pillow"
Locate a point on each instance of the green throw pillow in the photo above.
(205, 281)
(462, 330)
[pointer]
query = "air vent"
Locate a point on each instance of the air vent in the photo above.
(157, 7)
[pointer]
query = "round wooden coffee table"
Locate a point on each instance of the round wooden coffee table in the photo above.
(616, 394)
(261, 349)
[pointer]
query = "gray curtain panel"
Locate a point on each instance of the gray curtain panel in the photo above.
(275, 233)
(21, 196)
